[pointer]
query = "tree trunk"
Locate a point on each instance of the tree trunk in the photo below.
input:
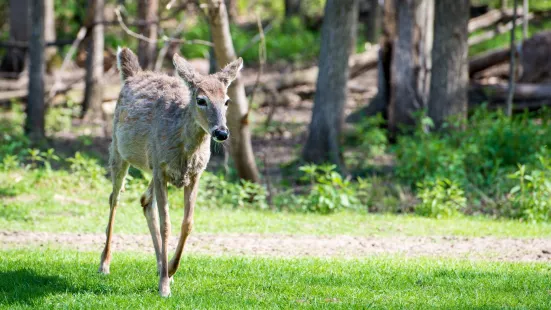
(371, 18)
(93, 93)
(339, 29)
(293, 8)
(34, 124)
(450, 70)
(147, 13)
(14, 60)
(50, 34)
(411, 62)
(231, 5)
(238, 112)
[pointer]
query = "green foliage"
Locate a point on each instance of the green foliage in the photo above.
(329, 191)
(288, 39)
(370, 135)
(87, 168)
(215, 191)
(489, 148)
(530, 199)
(440, 198)
(481, 157)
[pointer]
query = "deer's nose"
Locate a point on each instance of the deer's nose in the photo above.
(221, 134)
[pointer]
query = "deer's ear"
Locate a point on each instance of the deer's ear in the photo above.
(230, 71)
(185, 70)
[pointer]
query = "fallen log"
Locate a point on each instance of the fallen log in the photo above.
(498, 92)
(499, 29)
(491, 18)
(526, 96)
(534, 62)
(488, 59)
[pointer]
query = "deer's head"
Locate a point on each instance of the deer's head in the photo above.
(209, 95)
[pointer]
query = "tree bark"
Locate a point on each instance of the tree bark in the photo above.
(450, 70)
(50, 33)
(372, 21)
(34, 124)
(293, 8)
(238, 112)
(411, 62)
(93, 93)
(231, 6)
(14, 60)
(148, 15)
(512, 62)
(338, 30)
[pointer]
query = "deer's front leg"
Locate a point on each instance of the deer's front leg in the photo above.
(162, 205)
(190, 195)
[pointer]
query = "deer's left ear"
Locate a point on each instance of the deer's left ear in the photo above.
(230, 71)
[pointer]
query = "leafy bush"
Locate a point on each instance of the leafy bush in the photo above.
(87, 168)
(482, 155)
(440, 198)
(329, 192)
(530, 199)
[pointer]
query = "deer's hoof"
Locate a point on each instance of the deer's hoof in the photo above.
(164, 287)
(103, 269)
(165, 293)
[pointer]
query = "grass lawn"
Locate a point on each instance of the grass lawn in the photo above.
(67, 279)
(60, 202)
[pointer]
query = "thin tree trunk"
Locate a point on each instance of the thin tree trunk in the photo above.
(411, 62)
(525, 13)
(148, 15)
(34, 125)
(231, 6)
(338, 31)
(503, 5)
(450, 69)
(293, 8)
(238, 112)
(50, 33)
(512, 62)
(373, 22)
(93, 93)
(14, 60)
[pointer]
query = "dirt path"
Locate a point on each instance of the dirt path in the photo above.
(498, 249)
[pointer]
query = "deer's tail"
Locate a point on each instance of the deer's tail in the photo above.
(127, 63)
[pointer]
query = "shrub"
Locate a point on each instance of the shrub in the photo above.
(482, 155)
(530, 199)
(440, 198)
(329, 190)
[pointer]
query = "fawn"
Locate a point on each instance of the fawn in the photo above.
(163, 125)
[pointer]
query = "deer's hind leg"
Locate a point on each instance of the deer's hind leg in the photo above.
(119, 168)
(149, 204)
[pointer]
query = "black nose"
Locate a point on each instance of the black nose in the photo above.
(220, 134)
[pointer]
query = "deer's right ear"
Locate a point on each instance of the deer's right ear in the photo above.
(185, 70)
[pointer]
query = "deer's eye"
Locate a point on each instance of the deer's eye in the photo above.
(202, 102)
(228, 102)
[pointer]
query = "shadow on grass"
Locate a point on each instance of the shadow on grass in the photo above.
(24, 286)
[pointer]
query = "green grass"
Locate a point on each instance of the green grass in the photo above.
(67, 279)
(62, 202)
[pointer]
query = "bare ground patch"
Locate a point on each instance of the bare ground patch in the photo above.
(273, 245)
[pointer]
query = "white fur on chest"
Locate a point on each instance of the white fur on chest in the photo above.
(180, 171)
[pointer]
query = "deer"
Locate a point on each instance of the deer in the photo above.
(162, 125)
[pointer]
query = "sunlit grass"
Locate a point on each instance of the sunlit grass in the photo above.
(67, 279)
